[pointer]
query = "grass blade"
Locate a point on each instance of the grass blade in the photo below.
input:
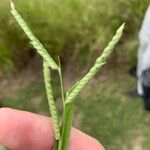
(66, 128)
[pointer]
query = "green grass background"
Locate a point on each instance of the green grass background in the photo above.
(78, 30)
(102, 110)
(72, 29)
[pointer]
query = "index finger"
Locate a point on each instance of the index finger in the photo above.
(20, 130)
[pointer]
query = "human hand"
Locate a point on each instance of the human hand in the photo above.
(20, 130)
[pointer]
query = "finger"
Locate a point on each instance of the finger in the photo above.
(82, 141)
(20, 130)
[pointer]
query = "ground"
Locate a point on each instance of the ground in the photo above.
(103, 109)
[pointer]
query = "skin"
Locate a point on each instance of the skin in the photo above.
(21, 130)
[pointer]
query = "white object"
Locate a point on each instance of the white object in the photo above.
(144, 50)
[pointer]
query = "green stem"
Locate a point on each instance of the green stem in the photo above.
(67, 118)
(61, 83)
(66, 127)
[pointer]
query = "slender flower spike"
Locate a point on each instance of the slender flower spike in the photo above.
(53, 110)
(62, 134)
(34, 41)
(98, 64)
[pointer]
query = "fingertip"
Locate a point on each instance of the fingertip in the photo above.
(98, 145)
(81, 141)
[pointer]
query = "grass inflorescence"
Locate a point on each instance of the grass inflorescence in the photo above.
(62, 127)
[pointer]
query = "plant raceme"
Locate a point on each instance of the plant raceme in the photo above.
(62, 127)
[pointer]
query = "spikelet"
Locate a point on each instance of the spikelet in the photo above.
(34, 41)
(52, 107)
(98, 64)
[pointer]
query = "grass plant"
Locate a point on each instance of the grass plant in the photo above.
(62, 126)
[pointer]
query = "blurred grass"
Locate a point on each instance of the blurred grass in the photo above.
(114, 118)
(76, 30)
(73, 29)
(102, 110)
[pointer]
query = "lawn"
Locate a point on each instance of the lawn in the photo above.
(102, 110)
